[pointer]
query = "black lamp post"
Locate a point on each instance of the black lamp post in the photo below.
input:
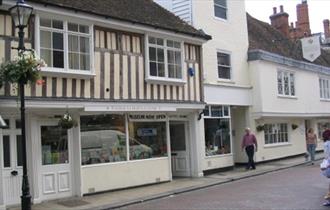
(20, 14)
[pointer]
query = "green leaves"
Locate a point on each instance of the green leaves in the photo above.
(24, 68)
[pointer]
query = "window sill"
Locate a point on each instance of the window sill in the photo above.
(218, 156)
(220, 19)
(288, 97)
(122, 162)
(324, 100)
(164, 81)
(277, 145)
(71, 73)
(228, 81)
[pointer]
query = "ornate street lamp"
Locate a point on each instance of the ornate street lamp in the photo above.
(20, 14)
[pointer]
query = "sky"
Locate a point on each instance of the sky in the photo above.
(318, 10)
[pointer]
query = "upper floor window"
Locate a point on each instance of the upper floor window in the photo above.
(324, 88)
(286, 83)
(65, 45)
(276, 133)
(165, 58)
(224, 66)
(220, 9)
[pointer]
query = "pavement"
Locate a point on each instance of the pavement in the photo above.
(126, 197)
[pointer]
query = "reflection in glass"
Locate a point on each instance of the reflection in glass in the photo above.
(6, 151)
(54, 144)
(103, 139)
(147, 140)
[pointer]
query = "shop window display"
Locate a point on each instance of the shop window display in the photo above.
(103, 139)
(217, 137)
(217, 130)
(147, 140)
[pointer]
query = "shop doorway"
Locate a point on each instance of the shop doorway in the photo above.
(56, 161)
(12, 171)
(179, 149)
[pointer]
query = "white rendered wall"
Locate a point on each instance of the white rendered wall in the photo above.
(266, 100)
(227, 35)
(295, 146)
(103, 177)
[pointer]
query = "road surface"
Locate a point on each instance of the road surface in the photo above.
(296, 188)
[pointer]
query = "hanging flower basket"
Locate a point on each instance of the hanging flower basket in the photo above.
(67, 122)
(294, 126)
(23, 68)
(260, 128)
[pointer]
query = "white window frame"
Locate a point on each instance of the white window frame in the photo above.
(166, 79)
(282, 72)
(230, 66)
(221, 6)
(66, 69)
(209, 108)
(324, 85)
(277, 124)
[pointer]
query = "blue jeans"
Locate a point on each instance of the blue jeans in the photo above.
(311, 151)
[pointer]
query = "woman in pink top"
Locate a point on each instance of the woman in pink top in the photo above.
(311, 143)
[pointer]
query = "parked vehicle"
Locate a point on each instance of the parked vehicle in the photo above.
(100, 146)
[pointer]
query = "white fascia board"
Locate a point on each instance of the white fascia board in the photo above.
(111, 23)
(104, 106)
(227, 95)
(258, 115)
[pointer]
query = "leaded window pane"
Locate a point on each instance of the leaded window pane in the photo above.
(57, 24)
(45, 39)
(292, 88)
(279, 83)
(84, 45)
(73, 27)
(286, 84)
(85, 62)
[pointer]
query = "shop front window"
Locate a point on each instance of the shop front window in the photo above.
(147, 140)
(321, 126)
(103, 139)
(217, 137)
(217, 130)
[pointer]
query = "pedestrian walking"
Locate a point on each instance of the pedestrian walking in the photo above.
(250, 145)
(325, 165)
(311, 144)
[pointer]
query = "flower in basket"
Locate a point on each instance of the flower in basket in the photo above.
(260, 128)
(23, 68)
(67, 122)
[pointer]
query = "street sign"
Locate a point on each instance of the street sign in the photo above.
(311, 48)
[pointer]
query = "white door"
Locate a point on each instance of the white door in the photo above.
(12, 171)
(56, 176)
(179, 149)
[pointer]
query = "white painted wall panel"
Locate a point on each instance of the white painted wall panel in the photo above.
(227, 95)
(126, 174)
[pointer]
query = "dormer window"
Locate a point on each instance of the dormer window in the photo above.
(65, 46)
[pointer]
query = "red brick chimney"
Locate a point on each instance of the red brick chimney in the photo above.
(303, 27)
(280, 21)
(326, 28)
